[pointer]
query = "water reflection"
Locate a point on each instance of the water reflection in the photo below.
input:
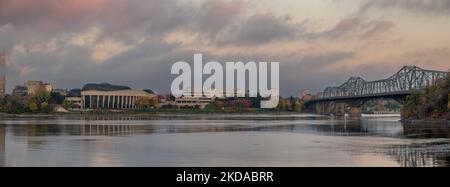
(126, 128)
(427, 131)
(2, 145)
(74, 130)
(420, 155)
(280, 140)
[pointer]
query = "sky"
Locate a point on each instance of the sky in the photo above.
(318, 43)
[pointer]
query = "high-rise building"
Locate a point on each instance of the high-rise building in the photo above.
(35, 86)
(20, 90)
(2, 74)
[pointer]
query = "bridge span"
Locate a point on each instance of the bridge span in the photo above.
(349, 97)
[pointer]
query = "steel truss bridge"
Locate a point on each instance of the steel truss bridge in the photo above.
(397, 86)
(405, 80)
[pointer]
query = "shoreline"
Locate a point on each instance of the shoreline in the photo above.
(425, 121)
(154, 113)
(188, 112)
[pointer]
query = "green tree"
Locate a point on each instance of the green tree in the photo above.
(448, 103)
(44, 107)
(256, 101)
(219, 105)
(292, 102)
(42, 96)
(13, 104)
(33, 107)
(298, 106)
(67, 104)
(56, 98)
(393, 105)
(412, 103)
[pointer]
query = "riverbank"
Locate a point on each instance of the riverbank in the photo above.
(425, 121)
(192, 112)
(149, 113)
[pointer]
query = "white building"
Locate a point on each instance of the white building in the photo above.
(193, 102)
(75, 100)
(120, 99)
(195, 99)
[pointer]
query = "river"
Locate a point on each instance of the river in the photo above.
(222, 140)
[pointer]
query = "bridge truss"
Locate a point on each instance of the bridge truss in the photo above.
(408, 78)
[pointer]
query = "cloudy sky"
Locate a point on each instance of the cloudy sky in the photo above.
(318, 43)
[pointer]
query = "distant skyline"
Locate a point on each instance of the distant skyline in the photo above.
(135, 42)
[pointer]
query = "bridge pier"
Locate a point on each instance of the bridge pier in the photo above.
(355, 111)
(328, 108)
(338, 108)
(319, 108)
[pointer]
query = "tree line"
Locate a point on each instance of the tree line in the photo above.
(431, 102)
(39, 102)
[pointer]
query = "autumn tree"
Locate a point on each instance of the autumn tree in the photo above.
(147, 103)
(432, 101)
(33, 107)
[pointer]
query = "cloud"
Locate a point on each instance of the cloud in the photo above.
(135, 42)
(378, 27)
(354, 27)
(263, 28)
(70, 43)
(431, 7)
(121, 19)
(143, 66)
(50, 16)
(7, 37)
(434, 58)
(213, 17)
(345, 27)
(131, 20)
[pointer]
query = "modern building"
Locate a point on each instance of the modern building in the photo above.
(120, 99)
(193, 99)
(62, 92)
(193, 102)
(2, 75)
(76, 101)
(20, 90)
(34, 86)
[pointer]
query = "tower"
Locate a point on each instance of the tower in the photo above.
(2, 74)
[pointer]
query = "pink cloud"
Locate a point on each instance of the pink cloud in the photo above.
(378, 27)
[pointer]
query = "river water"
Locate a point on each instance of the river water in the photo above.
(221, 140)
